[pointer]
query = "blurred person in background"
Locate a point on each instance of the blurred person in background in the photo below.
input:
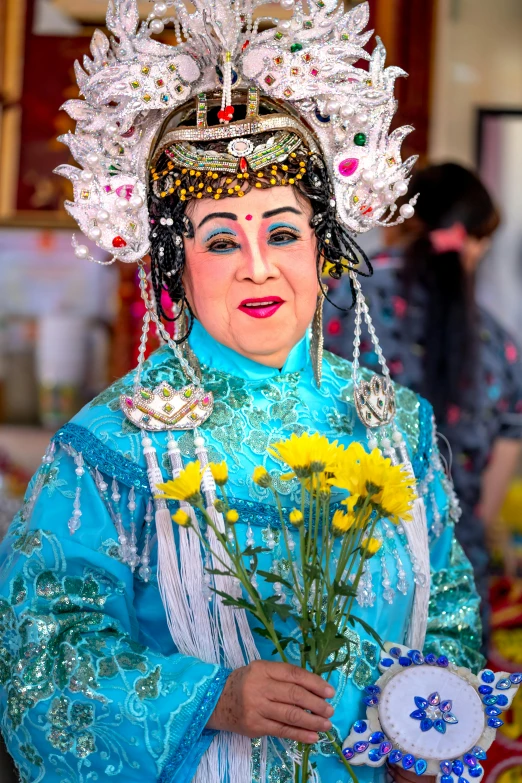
(442, 344)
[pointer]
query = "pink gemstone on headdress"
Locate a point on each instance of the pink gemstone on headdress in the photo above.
(129, 402)
(125, 191)
(107, 189)
(348, 167)
(206, 400)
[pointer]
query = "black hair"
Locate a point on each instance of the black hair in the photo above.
(449, 194)
(336, 248)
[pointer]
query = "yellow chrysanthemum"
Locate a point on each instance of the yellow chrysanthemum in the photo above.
(296, 517)
(353, 506)
(342, 522)
(306, 454)
(181, 518)
(232, 516)
(390, 486)
(261, 477)
(370, 546)
(320, 483)
(186, 487)
(219, 472)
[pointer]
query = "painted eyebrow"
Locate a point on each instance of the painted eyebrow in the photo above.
(226, 215)
(274, 212)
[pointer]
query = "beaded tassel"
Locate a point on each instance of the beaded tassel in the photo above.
(103, 488)
(133, 546)
(47, 461)
(145, 571)
(74, 522)
(388, 592)
(365, 593)
(402, 584)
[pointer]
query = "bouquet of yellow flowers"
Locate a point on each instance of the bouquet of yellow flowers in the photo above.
(333, 548)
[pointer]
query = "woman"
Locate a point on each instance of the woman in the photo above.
(442, 344)
(100, 676)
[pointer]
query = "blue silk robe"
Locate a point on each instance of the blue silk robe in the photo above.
(91, 682)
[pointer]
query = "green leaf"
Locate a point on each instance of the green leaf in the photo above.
(343, 589)
(369, 630)
(283, 610)
(218, 572)
(263, 632)
(250, 551)
(240, 603)
(273, 578)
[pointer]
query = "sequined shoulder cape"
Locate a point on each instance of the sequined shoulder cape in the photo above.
(91, 683)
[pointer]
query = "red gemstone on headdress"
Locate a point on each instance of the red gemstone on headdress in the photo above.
(245, 45)
(119, 242)
(243, 165)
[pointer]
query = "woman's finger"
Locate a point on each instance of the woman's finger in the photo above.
(294, 694)
(281, 730)
(286, 672)
(290, 715)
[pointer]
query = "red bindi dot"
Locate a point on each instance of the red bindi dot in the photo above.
(249, 217)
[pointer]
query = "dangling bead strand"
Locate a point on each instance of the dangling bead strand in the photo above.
(74, 522)
(144, 571)
(47, 461)
(133, 547)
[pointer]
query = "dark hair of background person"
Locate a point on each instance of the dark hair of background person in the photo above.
(448, 194)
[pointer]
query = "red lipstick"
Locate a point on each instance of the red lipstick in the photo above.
(264, 307)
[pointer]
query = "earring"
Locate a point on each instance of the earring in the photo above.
(181, 329)
(317, 343)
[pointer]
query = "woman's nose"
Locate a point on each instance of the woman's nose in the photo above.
(257, 265)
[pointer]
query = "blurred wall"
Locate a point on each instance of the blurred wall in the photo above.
(478, 63)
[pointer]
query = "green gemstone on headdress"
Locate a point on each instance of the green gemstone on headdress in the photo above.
(308, 24)
(165, 392)
(296, 47)
(173, 68)
(145, 394)
(278, 35)
(135, 85)
(188, 393)
(360, 139)
(345, 37)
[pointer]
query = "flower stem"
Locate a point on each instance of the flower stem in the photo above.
(341, 757)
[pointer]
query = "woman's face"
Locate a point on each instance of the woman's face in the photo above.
(251, 271)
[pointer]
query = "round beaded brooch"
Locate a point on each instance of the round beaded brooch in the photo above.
(426, 715)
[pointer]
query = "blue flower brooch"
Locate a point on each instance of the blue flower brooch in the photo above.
(426, 715)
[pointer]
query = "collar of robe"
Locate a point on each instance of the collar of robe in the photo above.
(219, 357)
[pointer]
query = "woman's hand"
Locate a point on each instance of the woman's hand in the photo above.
(274, 699)
(406, 776)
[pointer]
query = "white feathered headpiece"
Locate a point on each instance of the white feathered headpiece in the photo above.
(133, 84)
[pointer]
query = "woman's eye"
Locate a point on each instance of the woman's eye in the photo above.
(222, 245)
(283, 237)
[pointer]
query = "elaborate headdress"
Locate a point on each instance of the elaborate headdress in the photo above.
(305, 65)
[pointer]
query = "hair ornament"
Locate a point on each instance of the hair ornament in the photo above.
(449, 240)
